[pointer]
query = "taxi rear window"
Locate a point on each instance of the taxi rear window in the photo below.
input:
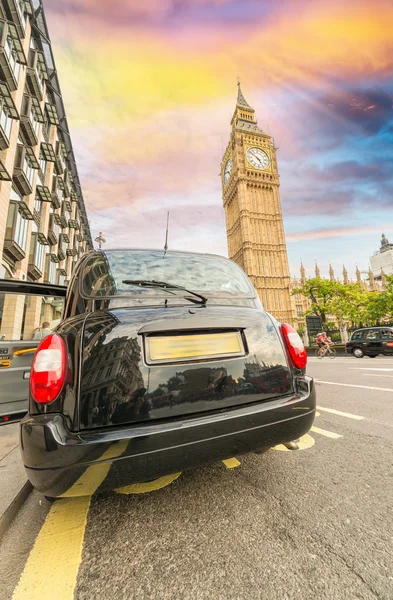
(105, 273)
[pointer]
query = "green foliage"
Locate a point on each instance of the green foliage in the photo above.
(350, 304)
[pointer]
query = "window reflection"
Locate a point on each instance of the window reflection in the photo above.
(106, 272)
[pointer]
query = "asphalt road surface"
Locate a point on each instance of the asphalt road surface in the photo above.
(313, 523)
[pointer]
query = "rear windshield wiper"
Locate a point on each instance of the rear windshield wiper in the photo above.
(169, 286)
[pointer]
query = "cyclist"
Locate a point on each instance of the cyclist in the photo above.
(319, 340)
(325, 340)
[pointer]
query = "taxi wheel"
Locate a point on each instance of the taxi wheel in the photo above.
(358, 352)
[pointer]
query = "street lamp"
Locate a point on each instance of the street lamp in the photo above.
(100, 240)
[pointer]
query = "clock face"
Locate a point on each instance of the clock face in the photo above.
(228, 171)
(258, 158)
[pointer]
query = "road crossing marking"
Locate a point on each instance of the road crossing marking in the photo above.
(365, 387)
(231, 463)
(326, 433)
(340, 413)
(52, 567)
(379, 375)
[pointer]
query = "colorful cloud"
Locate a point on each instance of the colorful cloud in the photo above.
(150, 89)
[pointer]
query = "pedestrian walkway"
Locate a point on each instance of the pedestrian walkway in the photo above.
(14, 486)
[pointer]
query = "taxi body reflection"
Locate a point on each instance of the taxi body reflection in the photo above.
(161, 363)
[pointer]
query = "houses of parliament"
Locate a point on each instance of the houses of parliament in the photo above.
(254, 222)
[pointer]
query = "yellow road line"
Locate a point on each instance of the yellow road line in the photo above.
(340, 413)
(305, 442)
(94, 475)
(61, 538)
(231, 463)
(52, 567)
(326, 433)
(148, 486)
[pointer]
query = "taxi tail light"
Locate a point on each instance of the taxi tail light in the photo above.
(49, 368)
(294, 345)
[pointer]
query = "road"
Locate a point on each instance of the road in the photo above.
(312, 523)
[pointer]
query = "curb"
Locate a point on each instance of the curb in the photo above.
(12, 510)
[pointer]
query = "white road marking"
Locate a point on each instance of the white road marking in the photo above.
(368, 369)
(375, 375)
(340, 413)
(326, 433)
(365, 387)
(343, 359)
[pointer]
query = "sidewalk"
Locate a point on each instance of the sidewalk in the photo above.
(14, 485)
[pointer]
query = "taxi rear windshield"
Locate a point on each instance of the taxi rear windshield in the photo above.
(105, 273)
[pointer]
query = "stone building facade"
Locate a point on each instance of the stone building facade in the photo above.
(301, 304)
(43, 223)
(254, 223)
(382, 261)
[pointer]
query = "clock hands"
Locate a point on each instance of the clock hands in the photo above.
(255, 160)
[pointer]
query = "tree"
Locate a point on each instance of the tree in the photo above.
(322, 294)
(351, 304)
(380, 308)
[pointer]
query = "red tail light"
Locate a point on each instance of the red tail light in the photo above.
(295, 346)
(48, 370)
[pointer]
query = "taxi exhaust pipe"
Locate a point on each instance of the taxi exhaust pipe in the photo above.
(292, 445)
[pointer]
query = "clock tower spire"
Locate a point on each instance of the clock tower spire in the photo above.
(255, 231)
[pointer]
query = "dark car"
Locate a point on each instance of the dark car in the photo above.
(371, 341)
(139, 379)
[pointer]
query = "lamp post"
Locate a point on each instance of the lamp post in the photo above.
(100, 240)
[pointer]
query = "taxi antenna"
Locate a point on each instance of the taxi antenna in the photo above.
(166, 235)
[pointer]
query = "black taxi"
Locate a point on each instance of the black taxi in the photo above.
(163, 361)
(371, 341)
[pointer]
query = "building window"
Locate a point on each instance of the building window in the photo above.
(17, 226)
(39, 255)
(299, 311)
(28, 170)
(42, 163)
(20, 5)
(12, 56)
(46, 129)
(297, 296)
(50, 269)
(5, 119)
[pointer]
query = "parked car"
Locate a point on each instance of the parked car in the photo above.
(16, 354)
(371, 341)
(137, 381)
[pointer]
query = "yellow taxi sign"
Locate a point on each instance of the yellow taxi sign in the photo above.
(183, 347)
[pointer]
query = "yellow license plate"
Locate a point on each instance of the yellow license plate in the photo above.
(183, 347)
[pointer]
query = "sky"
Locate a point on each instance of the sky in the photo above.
(150, 86)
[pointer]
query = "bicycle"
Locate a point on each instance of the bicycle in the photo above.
(321, 352)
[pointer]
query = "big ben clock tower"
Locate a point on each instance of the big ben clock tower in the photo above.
(255, 231)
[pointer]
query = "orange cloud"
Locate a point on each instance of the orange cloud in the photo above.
(131, 71)
(319, 234)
